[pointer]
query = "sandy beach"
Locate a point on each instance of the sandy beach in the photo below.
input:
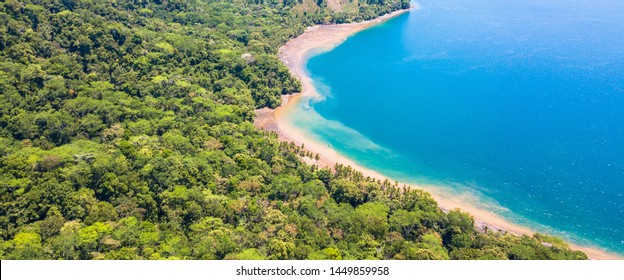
(323, 38)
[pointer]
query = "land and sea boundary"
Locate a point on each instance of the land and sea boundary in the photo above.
(323, 38)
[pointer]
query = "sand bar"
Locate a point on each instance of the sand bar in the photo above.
(323, 38)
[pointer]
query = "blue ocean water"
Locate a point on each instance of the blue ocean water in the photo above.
(518, 103)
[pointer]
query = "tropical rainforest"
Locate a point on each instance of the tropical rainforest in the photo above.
(126, 133)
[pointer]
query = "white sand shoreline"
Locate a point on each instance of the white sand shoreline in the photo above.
(324, 38)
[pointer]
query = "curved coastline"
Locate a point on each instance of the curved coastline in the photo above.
(322, 38)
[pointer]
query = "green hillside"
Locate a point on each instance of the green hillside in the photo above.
(126, 133)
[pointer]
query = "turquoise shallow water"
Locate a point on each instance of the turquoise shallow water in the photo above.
(519, 104)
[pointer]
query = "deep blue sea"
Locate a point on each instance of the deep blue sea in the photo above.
(519, 104)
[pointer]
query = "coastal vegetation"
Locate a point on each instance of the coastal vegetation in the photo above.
(126, 133)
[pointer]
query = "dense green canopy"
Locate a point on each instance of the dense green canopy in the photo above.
(126, 133)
